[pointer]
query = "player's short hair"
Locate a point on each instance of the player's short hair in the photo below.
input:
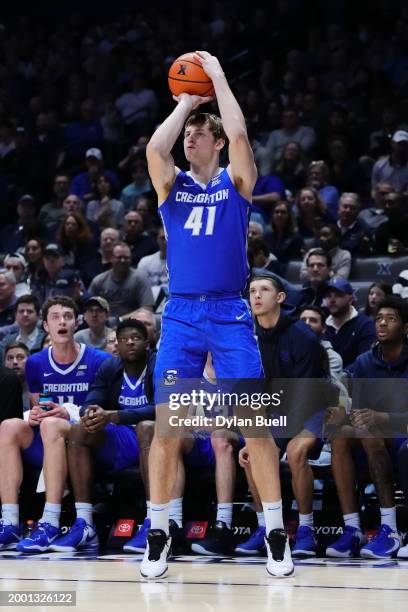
(59, 300)
(213, 121)
(28, 298)
(395, 303)
(17, 345)
(259, 274)
(133, 324)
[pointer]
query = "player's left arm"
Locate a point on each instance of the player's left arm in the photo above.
(242, 168)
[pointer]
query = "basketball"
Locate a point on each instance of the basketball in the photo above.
(187, 76)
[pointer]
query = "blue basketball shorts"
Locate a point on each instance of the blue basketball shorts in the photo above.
(34, 454)
(202, 453)
(120, 449)
(192, 327)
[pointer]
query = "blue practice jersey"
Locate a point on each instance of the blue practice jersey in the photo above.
(206, 231)
(132, 392)
(64, 382)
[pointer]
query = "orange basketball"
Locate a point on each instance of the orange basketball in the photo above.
(187, 76)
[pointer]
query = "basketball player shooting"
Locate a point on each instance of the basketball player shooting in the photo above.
(205, 214)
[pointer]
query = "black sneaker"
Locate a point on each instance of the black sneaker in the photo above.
(220, 541)
(279, 564)
(178, 542)
(154, 563)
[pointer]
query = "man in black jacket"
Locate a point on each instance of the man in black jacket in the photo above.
(119, 402)
(289, 350)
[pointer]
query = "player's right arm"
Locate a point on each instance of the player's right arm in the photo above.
(162, 169)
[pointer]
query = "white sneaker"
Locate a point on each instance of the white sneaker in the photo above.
(403, 552)
(154, 563)
(279, 564)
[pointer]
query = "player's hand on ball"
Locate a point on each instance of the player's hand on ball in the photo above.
(193, 101)
(210, 64)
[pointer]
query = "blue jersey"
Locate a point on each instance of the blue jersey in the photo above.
(206, 229)
(64, 382)
(132, 392)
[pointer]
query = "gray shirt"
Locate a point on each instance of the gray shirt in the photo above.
(83, 336)
(125, 295)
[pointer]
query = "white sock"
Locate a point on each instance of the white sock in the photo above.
(273, 515)
(51, 514)
(10, 513)
(306, 520)
(261, 519)
(84, 511)
(160, 516)
(176, 511)
(224, 514)
(148, 509)
(352, 520)
(389, 517)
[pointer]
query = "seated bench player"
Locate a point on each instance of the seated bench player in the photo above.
(118, 403)
(64, 372)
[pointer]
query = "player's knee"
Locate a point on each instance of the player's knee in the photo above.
(168, 444)
(11, 429)
(297, 453)
(51, 428)
(145, 432)
(221, 445)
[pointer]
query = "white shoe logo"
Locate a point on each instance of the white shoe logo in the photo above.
(240, 317)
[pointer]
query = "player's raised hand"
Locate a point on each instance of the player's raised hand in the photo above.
(210, 64)
(193, 101)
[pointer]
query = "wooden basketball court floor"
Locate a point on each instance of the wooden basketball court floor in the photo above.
(203, 584)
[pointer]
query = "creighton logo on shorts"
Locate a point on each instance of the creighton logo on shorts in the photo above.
(170, 377)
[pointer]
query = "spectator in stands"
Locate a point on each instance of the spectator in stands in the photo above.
(391, 238)
(53, 212)
(15, 358)
(136, 238)
(140, 185)
(84, 185)
(26, 328)
(328, 239)
(345, 172)
(135, 152)
(379, 412)
(269, 155)
(105, 210)
(350, 333)
(144, 205)
(87, 132)
(73, 204)
(315, 318)
(311, 212)
(112, 343)
(16, 263)
(283, 241)
(13, 236)
(138, 107)
(44, 285)
(318, 268)
(96, 316)
(354, 232)
(279, 335)
(374, 216)
(8, 297)
(11, 393)
(268, 190)
(377, 292)
(120, 400)
(318, 178)
(154, 265)
(255, 231)
(124, 288)
(34, 252)
(291, 169)
(394, 167)
(259, 256)
(108, 239)
(75, 240)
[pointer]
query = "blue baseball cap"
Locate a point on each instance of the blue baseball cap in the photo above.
(340, 285)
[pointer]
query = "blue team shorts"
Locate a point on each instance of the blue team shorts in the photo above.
(314, 425)
(120, 449)
(34, 454)
(192, 326)
(202, 453)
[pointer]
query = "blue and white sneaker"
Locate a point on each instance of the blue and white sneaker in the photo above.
(305, 542)
(254, 545)
(348, 544)
(80, 536)
(10, 535)
(139, 541)
(383, 546)
(40, 539)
